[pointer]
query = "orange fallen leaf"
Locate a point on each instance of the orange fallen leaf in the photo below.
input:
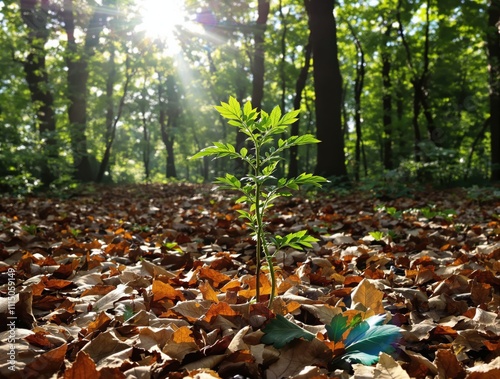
(83, 368)
(208, 292)
(219, 309)
(215, 276)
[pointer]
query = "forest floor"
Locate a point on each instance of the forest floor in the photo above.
(157, 281)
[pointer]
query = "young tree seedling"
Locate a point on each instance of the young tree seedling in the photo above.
(260, 188)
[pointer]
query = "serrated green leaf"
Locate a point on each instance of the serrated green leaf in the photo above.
(275, 116)
(211, 150)
(289, 118)
(234, 123)
(306, 139)
(279, 331)
(337, 327)
(247, 108)
(229, 180)
(230, 110)
(242, 199)
(310, 179)
(244, 214)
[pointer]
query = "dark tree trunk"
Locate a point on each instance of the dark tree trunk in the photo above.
(146, 151)
(111, 118)
(493, 39)
(257, 68)
(358, 90)
(169, 117)
(328, 89)
(258, 57)
(283, 46)
(434, 134)
(78, 74)
(293, 168)
(34, 15)
(473, 147)
(416, 127)
(110, 115)
(387, 101)
(420, 86)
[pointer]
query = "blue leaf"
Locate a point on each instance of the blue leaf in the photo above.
(360, 357)
(375, 340)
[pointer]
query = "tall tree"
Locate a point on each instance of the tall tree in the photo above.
(293, 168)
(358, 90)
(170, 111)
(493, 39)
(420, 82)
(112, 116)
(328, 88)
(35, 15)
(77, 61)
(257, 65)
(387, 99)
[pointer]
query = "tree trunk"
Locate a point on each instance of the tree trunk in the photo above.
(493, 41)
(328, 89)
(420, 85)
(169, 116)
(358, 90)
(78, 74)
(35, 17)
(257, 69)
(110, 114)
(144, 110)
(387, 101)
(111, 118)
(293, 168)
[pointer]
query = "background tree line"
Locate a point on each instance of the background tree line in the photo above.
(395, 89)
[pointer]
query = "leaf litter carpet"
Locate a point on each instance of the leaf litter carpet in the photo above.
(158, 281)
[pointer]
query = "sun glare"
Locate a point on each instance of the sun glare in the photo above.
(161, 19)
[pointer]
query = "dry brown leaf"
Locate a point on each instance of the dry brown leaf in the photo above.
(108, 301)
(295, 356)
(485, 371)
(215, 276)
(103, 345)
(448, 365)
(83, 368)
(220, 309)
(388, 368)
(367, 294)
(163, 290)
(180, 343)
(208, 292)
(46, 364)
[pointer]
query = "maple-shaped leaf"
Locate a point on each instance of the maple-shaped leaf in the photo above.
(280, 331)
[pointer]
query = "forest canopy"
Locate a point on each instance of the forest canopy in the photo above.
(124, 91)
